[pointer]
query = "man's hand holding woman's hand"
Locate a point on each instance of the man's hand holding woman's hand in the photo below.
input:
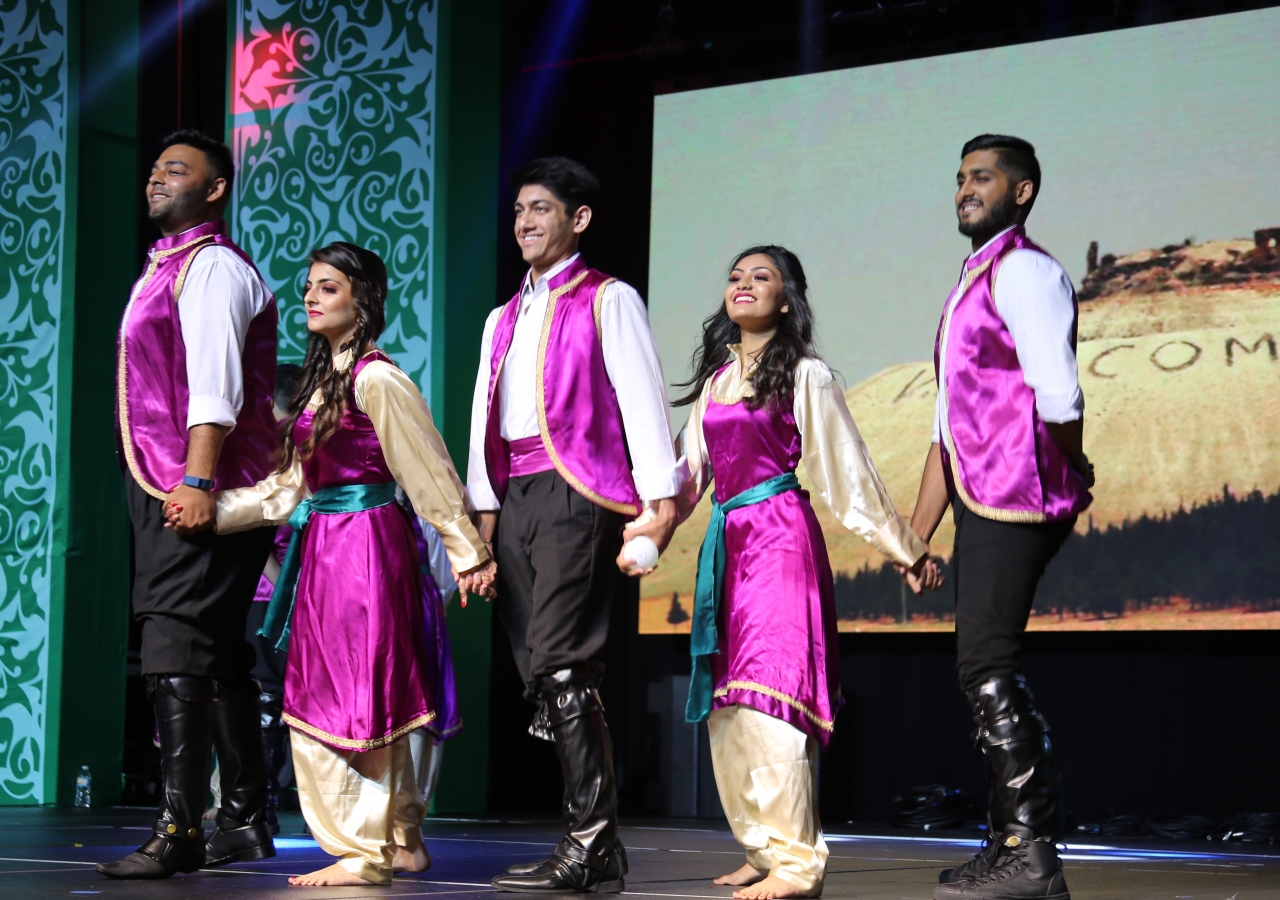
(189, 510)
(924, 575)
(657, 523)
(482, 580)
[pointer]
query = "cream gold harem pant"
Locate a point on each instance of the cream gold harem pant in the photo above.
(360, 803)
(767, 775)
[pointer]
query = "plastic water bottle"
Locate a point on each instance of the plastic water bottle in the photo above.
(84, 781)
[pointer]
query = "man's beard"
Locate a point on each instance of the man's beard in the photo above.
(996, 220)
(178, 208)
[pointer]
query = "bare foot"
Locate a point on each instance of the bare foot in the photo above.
(772, 888)
(748, 874)
(406, 860)
(334, 874)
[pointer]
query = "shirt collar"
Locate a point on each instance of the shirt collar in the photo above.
(990, 242)
(526, 287)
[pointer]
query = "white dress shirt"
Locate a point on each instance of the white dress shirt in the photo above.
(221, 295)
(1033, 296)
(634, 369)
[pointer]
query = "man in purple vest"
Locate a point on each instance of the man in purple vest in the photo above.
(570, 439)
(195, 372)
(1007, 457)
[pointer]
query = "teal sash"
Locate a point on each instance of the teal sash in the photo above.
(346, 498)
(704, 640)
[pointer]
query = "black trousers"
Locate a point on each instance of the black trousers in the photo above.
(192, 594)
(996, 568)
(557, 574)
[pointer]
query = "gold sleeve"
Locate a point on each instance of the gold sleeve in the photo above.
(840, 467)
(418, 459)
(691, 447)
(269, 502)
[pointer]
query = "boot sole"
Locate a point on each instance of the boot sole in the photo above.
(604, 887)
(249, 855)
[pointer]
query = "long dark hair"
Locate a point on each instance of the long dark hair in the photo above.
(368, 275)
(773, 378)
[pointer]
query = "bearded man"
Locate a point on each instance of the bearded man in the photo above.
(195, 375)
(1007, 458)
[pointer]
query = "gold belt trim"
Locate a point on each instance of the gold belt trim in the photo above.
(627, 509)
(988, 512)
(122, 369)
(824, 724)
(350, 743)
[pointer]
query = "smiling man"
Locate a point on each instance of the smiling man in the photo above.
(570, 438)
(195, 375)
(1006, 456)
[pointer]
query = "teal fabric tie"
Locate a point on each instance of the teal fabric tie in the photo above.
(704, 640)
(346, 498)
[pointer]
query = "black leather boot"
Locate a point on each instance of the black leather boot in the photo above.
(241, 832)
(1026, 868)
(184, 712)
(1014, 739)
(979, 865)
(589, 859)
(275, 747)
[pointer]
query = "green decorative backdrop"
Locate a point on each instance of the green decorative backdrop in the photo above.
(33, 164)
(331, 124)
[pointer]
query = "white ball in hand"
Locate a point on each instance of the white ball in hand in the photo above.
(642, 552)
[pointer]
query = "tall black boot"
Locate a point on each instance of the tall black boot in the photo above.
(275, 747)
(184, 713)
(589, 858)
(242, 832)
(1014, 738)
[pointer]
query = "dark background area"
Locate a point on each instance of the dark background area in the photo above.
(1178, 722)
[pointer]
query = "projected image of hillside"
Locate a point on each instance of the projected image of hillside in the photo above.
(1159, 198)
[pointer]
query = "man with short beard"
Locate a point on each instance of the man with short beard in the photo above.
(195, 375)
(1007, 457)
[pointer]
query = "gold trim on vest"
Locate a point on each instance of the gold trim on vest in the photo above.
(574, 482)
(595, 308)
(1019, 516)
(122, 397)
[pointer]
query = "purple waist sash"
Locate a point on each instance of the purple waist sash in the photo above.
(529, 457)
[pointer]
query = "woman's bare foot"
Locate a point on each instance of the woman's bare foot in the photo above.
(334, 874)
(772, 888)
(748, 874)
(406, 860)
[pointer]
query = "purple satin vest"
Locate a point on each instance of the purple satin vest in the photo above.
(151, 377)
(997, 454)
(578, 414)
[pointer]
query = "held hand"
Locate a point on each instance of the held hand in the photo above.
(924, 575)
(657, 523)
(480, 580)
(189, 510)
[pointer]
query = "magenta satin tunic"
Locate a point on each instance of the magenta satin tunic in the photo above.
(361, 672)
(779, 645)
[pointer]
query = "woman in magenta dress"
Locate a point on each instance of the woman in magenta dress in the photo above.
(360, 671)
(766, 651)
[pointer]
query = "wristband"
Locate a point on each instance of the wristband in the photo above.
(200, 484)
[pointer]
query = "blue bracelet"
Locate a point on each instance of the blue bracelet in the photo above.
(201, 484)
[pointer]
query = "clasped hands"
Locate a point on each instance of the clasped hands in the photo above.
(924, 575)
(657, 523)
(189, 510)
(482, 580)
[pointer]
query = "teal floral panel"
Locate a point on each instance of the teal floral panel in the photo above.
(331, 125)
(33, 156)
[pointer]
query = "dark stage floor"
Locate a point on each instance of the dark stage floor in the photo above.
(50, 852)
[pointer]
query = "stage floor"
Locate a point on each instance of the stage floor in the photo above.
(50, 853)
